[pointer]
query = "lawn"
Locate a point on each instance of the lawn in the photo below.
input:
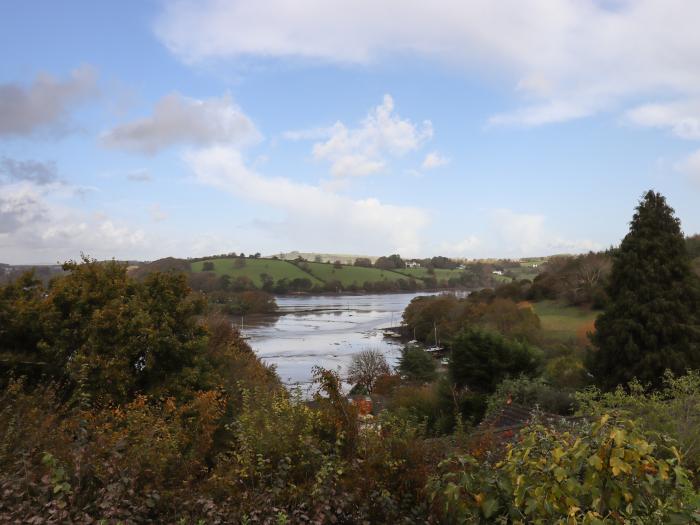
(277, 269)
(564, 323)
(347, 275)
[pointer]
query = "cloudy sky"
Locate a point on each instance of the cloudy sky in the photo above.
(140, 129)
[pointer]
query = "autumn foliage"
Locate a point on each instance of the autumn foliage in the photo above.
(124, 401)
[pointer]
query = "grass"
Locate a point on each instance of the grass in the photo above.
(500, 279)
(277, 269)
(421, 273)
(524, 272)
(319, 273)
(561, 322)
(347, 275)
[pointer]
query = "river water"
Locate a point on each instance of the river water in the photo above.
(325, 330)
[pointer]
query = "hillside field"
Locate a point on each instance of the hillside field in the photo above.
(565, 323)
(276, 269)
(348, 275)
(422, 273)
(321, 273)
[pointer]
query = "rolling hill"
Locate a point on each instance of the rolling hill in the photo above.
(277, 269)
(351, 275)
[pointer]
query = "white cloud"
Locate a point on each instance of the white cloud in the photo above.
(682, 118)
(19, 208)
(522, 231)
(691, 167)
(465, 248)
(45, 103)
(360, 151)
(566, 59)
(434, 160)
(547, 113)
(526, 234)
(179, 120)
(35, 228)
(13, 170)
(313, 215)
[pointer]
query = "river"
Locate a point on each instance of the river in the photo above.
(325, 330)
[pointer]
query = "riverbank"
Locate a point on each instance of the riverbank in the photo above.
(325, 330)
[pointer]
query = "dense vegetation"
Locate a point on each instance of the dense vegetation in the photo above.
(130, 399)
(652, 321)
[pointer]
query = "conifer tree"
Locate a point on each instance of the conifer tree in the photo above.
(651, 322)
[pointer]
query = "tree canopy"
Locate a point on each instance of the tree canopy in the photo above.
(651, 321)
(480, 360)
(366, 367)
(415, 364)
(103, 335)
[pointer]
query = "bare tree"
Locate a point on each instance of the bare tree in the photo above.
(366, 367)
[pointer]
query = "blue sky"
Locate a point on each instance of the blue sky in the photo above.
(520, 128)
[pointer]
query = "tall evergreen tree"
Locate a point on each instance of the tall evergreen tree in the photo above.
(652, 320)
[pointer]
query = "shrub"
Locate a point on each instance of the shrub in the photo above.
(439, 406)
(481, 360)
(672, 410)
(566, 371)
(531, 393)
(512, 320)
(605, 472)
(250, 302)
(422, 404)
(415, 364)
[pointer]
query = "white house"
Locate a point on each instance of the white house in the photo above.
(412, 264)
(497, 272)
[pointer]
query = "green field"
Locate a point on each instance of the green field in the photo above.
(564, 323)
(500, 279)
(422, 273)
(348, 275)
(318, 273)
(524, 272)
(277, 269)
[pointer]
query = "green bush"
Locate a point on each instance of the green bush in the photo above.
(438, 406)
(607, 472)
(531, 393)
(480, 360)
(672, 410)
(415, 364)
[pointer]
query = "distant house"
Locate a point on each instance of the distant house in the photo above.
(461, 267)
(535, 265)
(412, 264)
(497, 272)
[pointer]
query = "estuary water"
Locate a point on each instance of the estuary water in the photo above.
(325, 330)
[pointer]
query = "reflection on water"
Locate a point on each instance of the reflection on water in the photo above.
(325, 331)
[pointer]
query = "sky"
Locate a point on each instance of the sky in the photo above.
(143, 129)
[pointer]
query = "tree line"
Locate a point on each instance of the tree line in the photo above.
(131, 400)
